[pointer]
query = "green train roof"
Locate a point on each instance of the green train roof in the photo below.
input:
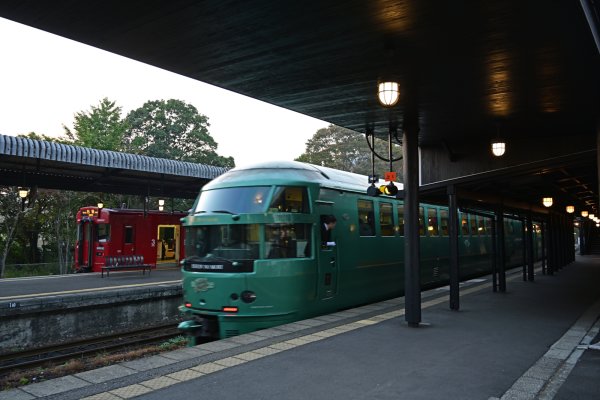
(291, 172)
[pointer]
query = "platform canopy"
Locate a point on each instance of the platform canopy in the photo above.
(469, 71)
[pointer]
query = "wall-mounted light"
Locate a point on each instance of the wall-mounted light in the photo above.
(100, 204)
(584, 213)
(570, 209)
(388, 93)
(547, 201)
(498, 147)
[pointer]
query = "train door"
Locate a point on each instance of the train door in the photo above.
(86, 245)
(128, 240)
(327, 250)
(167, 249)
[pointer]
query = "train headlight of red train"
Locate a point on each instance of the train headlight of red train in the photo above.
(248, 296)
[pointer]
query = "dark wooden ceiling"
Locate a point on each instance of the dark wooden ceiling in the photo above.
(467, 69)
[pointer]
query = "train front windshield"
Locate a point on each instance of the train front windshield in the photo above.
(233, 242)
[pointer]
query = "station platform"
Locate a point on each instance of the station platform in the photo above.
(536, 341)
(12, 289)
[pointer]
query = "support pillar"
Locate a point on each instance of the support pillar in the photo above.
(412, 284)
(529, 243)
(501, 250)
(453, 241)
(524, 250)
(544, 227)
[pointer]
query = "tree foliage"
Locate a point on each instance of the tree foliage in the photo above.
(172, 129)
(347, 150)
(100, 128)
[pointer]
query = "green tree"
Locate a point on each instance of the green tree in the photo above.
(347, 150)
(100, 128)
(11, 213)
(175, 130)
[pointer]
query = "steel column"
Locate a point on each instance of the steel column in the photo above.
(543, 226)
(524, 250)
(501, 250)
(412, 284)
(529, 248)
(453, 241)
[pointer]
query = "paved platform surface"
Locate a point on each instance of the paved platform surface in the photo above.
(533, 342)
(57, 285)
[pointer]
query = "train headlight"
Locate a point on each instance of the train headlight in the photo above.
(248, 296)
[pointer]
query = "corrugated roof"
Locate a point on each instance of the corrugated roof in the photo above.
(29, 162)
(25, 147)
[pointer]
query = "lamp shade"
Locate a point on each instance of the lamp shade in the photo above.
(570, 209)
(498, 148)
(547, 201)
(388, 93)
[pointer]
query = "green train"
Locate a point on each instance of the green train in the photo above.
(254, 256)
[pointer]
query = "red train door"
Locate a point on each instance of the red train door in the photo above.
(128, 240)
(85, 249)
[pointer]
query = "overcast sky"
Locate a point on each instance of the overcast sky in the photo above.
(46, 79)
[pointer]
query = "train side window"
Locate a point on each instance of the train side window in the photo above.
(103, 232)
(509, 228)
(488, 225)
(473, 219)
(481, 224)
(401, 219)
(432, 222)
(464, 224)
(421, 221)
(366, 218)
(289, 199)
(128, 234)
(444, 221)
(386, 219)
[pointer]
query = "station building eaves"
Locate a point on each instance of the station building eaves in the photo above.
(29, 162)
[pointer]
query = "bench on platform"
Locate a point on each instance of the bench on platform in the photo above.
(120, 263)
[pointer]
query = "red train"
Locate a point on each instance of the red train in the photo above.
(105, 232)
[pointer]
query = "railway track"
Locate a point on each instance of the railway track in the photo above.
(53, 354)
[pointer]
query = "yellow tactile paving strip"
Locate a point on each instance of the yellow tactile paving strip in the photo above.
(200, 370)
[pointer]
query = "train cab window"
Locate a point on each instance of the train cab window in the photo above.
(386, 219)
(128, 234)
(474, 230)
(421, 221)
(103, 232)
(432, 222)
(287, 240)
(401, 219)
(236, 200)
(464, 224)
(232, 242)
(444, 222)
(366, 218)
(289, 199)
